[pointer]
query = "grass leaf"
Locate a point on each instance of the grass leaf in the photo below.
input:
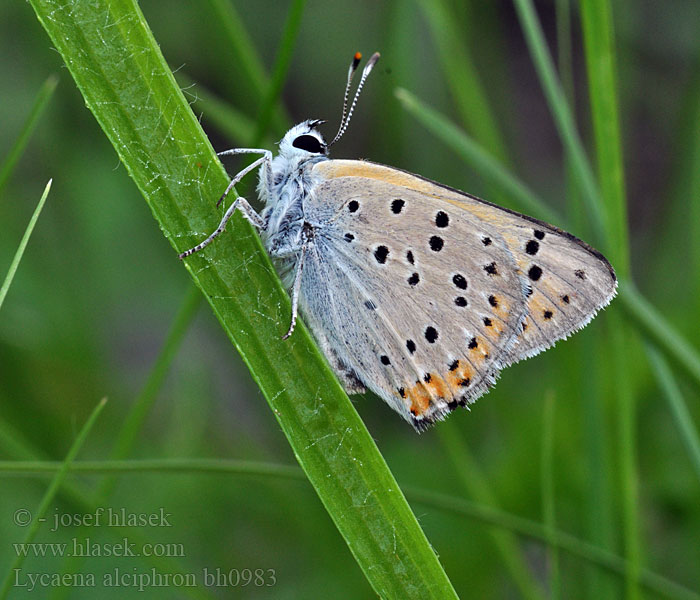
(23, 244)
(677, 405)
(40, 103)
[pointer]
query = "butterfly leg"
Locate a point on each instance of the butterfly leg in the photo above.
(265, 158)
(240, 203)
(296, 288)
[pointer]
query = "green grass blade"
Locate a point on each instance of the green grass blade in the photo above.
(40, 103)
(600, 527)
(562, 116)
(118, 67)
(575, 214)
(37, 516)
(602, 84)
(677, 405)
(473, 153)
(23, 244)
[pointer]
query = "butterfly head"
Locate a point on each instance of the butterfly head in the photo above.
(304, 141)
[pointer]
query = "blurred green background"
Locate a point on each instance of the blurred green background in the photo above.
(99, 287)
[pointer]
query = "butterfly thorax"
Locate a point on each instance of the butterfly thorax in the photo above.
(284, 184)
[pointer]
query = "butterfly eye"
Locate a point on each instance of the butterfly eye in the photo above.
(309, 143)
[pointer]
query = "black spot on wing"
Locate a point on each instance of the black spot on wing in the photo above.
(532, 247)
(436, 243)
(381, 253)
(534, 273)
(441, 219)
(460, 281)
(491, 269)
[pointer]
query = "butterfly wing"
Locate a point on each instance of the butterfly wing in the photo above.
(423, 293)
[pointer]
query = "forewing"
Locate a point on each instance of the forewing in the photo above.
(437, 290)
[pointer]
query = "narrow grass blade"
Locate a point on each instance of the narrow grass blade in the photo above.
(677, 405)
(562, 116)
(575, 212)
(475, 155)
(463, 78)
(37, 516)
(23, 244)
(117, 65)
(602, 85)
(40, 103)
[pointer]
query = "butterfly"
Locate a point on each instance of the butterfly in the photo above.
(412, 289)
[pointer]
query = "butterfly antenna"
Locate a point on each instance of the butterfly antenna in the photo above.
(347, 114)
(351, 73)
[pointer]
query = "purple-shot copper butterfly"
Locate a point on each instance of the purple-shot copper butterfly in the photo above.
(413, 289)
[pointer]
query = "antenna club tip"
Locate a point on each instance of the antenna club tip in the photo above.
(358, 56)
